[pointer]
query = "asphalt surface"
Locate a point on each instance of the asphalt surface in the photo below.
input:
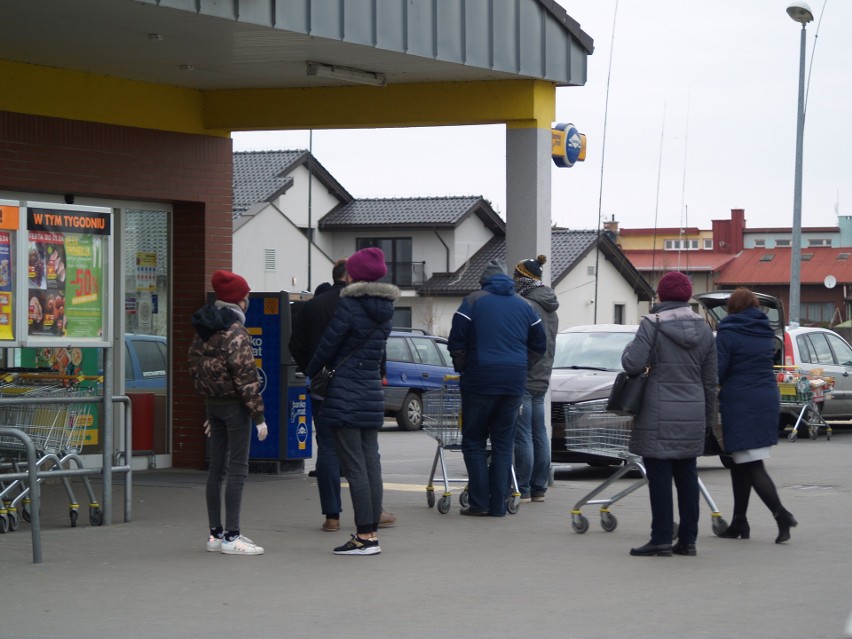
(525, 575)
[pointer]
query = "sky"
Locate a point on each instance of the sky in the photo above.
(700, 119)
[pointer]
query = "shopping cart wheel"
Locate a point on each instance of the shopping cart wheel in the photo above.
(444, 504)
(14, 522)
(96, 516)
(464, 499)
(25, 513)
(73, 514)
(812, 432)
(4, 524)
(792, 436)
(513, 504)
(579, 523)
(828, 434)
(719, 526)
(430, 498)
(608, 522)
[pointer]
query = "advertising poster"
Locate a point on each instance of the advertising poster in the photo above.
(74, 362)
(66, 253)
(6, 317)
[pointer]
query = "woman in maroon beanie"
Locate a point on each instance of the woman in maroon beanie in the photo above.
(679, 403)
(353, 346)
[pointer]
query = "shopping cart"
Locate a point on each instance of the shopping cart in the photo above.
(591, 429)
(800, 396)
(442, 422)
(57, 431)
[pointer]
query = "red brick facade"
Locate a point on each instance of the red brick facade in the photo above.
(193, 173)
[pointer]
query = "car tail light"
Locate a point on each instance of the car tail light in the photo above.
(789, 355)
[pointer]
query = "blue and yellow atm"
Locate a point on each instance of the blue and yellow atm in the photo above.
(285, 395)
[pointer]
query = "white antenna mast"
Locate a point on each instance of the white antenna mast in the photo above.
(603, 156)
(683, 181)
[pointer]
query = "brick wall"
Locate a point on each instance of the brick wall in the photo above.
(193, 173)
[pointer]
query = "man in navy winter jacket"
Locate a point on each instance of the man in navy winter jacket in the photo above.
(493, 333)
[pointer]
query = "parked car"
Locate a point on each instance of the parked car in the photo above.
(585, 364)
(807, 348)
(145, 363)
(416, 363)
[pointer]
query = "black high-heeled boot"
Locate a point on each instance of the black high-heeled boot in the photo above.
(737, 528)
(785, 521)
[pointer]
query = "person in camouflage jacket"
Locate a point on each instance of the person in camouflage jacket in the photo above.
(223, 370)
(221, 359)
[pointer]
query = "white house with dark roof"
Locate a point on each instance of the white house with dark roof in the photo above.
(435, 247)
(593, 280)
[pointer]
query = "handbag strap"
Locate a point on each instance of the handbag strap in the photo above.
(354, 348)
(653, 344)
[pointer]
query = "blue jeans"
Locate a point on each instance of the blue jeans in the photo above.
(327, 466)
(532, 446)
(484, 417)
(660, 473)
(230, 435)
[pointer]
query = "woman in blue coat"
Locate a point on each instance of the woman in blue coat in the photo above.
(353, 345)
(749, 403)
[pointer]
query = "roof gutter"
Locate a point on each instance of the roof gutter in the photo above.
(446, 249)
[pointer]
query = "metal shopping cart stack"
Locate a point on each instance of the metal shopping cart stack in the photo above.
(57, 430)
(591, 429)
(442, 421)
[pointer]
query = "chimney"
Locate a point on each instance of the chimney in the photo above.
(611, 226)
(737, 229)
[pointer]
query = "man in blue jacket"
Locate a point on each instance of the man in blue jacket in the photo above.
(493, 332)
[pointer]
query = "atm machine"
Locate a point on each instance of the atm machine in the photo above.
(285, 396)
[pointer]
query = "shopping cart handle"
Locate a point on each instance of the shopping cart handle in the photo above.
(451, 378)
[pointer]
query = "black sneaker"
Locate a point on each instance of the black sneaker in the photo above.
(358, 546)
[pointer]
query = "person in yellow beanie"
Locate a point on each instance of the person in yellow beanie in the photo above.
(532, 444)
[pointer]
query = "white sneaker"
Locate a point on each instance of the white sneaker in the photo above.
(240, 546)
(214, 544)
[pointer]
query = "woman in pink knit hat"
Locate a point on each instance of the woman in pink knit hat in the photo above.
(353, 346)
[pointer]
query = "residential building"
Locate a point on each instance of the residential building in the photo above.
(292, 220)
(731, 255)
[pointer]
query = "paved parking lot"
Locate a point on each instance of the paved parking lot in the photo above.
(439, 575)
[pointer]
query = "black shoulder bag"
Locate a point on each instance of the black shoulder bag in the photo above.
(627, 392)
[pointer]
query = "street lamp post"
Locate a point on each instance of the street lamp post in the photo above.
(801, 13)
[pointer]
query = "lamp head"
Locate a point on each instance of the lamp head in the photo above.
(800, 12)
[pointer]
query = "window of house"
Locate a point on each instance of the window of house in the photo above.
(708, 244)
(618, 313)
(784, 242)
(760, 244)
(821, 312)
(682, 245)
(402, 317)
(816, 241)
(397, 252)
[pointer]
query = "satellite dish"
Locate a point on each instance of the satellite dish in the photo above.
(830, 281)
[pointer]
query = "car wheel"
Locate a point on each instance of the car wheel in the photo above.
(410, 416)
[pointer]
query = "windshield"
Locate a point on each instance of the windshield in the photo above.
(591, 350)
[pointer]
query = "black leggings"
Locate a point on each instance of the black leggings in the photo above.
(750, 475)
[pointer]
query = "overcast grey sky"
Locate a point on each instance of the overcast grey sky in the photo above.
(702, 101)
